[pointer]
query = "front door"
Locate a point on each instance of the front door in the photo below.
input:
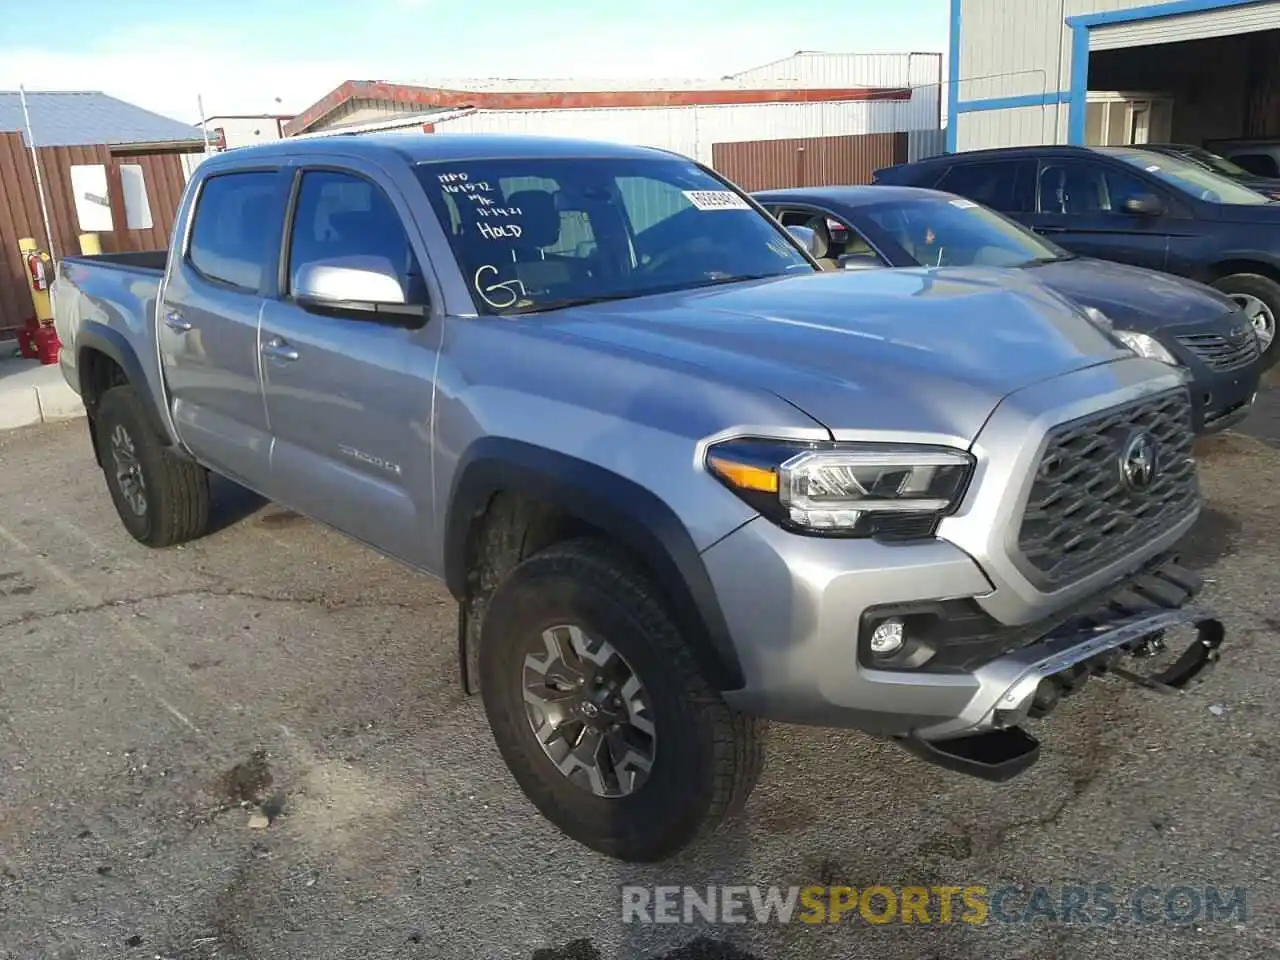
(208, 322)
(1080, 205)
(349, 399)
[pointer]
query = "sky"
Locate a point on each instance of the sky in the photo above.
(279, 56)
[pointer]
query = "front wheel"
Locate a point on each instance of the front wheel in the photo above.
(1259, 298)
(600, 712)
(161, 497)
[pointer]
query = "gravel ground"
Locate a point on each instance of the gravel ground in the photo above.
(152, 705)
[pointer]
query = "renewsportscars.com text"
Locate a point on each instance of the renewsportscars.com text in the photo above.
(971, 904)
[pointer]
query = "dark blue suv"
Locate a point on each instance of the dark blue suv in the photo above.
(1132, 206)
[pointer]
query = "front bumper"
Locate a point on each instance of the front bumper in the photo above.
(805, 663)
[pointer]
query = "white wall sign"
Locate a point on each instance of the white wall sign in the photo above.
(137, 211)
(93, 205)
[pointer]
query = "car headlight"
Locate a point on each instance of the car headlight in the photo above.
(1146, 346)
(886, 491)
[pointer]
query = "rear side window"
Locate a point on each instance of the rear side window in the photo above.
(237, 219)
(995, 185)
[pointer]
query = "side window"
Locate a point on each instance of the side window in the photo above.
(992, 184)
(1260, 164)
(341, 215)
(839, 238)
(235, 219)
(1075, 187)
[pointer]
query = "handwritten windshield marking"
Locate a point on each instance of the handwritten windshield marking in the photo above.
(498, 295)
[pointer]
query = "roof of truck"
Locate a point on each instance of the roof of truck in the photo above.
(417, 147)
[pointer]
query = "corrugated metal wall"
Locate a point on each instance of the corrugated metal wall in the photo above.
(808, 161)
(20, 214)
(693, 130)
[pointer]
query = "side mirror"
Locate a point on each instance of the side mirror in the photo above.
(859, 261)
(1144, 205)
(363, 287)
(808, 238)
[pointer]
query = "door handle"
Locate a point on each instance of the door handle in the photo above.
(277, 349)
(173, 320)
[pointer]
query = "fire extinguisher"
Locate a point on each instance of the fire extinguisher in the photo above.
(37, 268)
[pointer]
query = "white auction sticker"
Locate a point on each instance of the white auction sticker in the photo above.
(716, 200)
(963, 204)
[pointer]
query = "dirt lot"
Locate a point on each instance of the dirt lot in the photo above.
(146, 697)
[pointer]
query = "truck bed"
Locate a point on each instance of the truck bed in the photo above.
(114, 293)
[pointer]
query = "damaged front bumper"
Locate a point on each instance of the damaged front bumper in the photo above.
(987, 739)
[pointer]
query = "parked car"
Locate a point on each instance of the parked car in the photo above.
(1131, 206)
(677, 478)
(1260, 157)
(1267, 186)
(1168, 318)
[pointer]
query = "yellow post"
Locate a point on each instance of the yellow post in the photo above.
(90, 244)
(40, 301)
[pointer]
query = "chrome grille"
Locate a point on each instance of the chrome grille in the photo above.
(1081, 513)
(1224, 353)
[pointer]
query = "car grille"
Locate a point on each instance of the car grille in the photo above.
(1223, 353)
(1082, 514)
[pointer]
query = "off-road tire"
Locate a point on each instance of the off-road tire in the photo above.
(1266, 290)
(707, 757)
(177, 488)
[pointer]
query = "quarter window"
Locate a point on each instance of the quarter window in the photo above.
(232, 233)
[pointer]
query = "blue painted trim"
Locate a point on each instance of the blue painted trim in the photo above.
(1007, 103)
(1154, 11)
(953, 79)
(1078, 102)
(1080, 26)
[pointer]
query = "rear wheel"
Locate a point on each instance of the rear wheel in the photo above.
(1259, 298)
(162, 498)
(600, 712)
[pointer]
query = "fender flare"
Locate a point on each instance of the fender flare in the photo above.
(112, 343)
(628, 513)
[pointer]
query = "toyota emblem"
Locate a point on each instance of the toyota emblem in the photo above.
(1138, 462)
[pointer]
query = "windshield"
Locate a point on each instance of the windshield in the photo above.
(536, 234)
(1214, 162)
(1191, 178)
(953, 232)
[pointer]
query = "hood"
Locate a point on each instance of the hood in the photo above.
(1134, 298)
(892, 350)
(1259, 213)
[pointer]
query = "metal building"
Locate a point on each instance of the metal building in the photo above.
(808, 118)
(1112, 71)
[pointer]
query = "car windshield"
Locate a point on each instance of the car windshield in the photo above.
(1190, 178)
(1209, 159)
(946, 231)
(541, 233)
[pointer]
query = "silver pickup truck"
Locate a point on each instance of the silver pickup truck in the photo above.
(677, 478)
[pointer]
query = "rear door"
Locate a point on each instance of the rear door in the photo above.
(208, 322)
(349, 397)
(1080, 205)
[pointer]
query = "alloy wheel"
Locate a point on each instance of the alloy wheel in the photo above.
(589, 711)
(128, 470)
(1260, 315)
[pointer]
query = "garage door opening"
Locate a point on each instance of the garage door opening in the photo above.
(1217, 88)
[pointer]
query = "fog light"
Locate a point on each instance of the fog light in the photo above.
(887, 637)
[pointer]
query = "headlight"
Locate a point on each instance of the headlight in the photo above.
(887, 491)
(1146, 346)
